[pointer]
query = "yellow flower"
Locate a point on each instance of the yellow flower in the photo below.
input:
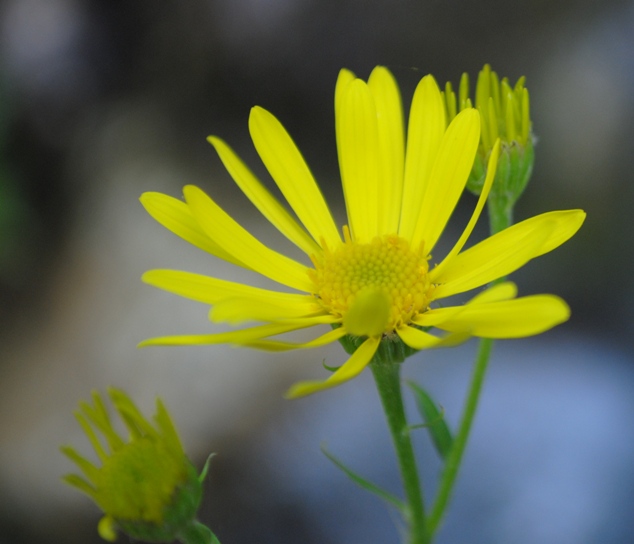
(375, 281)
(146, 487)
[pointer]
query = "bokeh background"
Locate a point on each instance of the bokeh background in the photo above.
(101, 100)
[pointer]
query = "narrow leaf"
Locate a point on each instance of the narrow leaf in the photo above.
(434, 420)
(203, 472)
(365, 484)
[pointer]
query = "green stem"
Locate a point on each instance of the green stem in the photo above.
(500, 213)
(454, 459)
(500, 217)
(387, 378)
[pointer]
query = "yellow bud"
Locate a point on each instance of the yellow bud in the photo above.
(504, 114)
(145, 486)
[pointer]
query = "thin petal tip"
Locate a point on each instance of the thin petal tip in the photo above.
(148, 276)
(151, 342)
(258, 111)
(470, 115)
(191, 192)
(561, 309)
(303, 389)
(147, 197)
(347, 74)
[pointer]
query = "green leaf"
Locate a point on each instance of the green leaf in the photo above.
(434, 420)
(365, 484)
(203, 472)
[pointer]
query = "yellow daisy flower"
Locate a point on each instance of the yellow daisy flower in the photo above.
(374, 280)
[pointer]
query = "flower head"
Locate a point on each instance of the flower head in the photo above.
(146, 487)
(377, 280)
(505, 114)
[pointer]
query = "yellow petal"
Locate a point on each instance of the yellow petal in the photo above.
(344, 79)
(262, 199)
(425, 130)
(505, 251)
(502, 291)
(516, 318)
(240, 309)
(240, 337)
(568, 223)
(488, 263)
(212, 290)
(389, 112)
(486, 188)
(176, 216)
(289, 170)
(369, 313)
(358, 146)
(350, 369)
(275, 345)
(448, 178)
(437, 316)
(234, 239)
(345, 76)
(418, 339)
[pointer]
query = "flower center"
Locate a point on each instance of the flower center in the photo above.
(386, 264)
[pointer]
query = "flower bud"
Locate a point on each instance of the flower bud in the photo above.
(146, 486)
(504, 114)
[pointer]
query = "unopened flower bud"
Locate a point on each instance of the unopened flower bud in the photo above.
(504, 114)
(146, 486)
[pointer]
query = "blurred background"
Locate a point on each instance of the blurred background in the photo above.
(101, 100)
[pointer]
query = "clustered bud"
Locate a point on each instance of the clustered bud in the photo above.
(504, 114)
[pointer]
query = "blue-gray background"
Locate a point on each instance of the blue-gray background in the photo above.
(101, 100)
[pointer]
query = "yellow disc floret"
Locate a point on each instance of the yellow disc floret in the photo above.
(387, 264)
